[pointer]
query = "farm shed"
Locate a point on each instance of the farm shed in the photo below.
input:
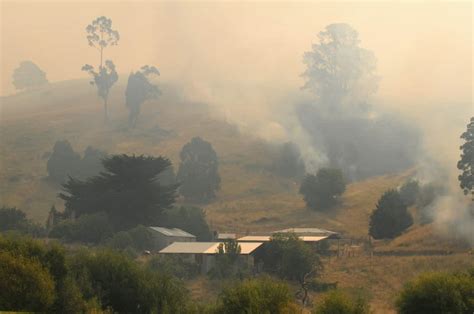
(166, 236)
(204, 253)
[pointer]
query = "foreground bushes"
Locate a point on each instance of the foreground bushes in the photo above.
(336, 302)
(438, 293)
(262, 295)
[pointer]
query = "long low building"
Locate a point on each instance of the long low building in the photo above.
(204, 253)
(253, 238)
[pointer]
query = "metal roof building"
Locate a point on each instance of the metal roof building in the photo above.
(165, 236)
(174, 232)
(267, 238)
(206, 248)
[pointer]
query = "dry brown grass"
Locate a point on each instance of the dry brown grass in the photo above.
(251, 199)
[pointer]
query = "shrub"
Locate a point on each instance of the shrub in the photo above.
(63, 162)
(263, 295)
(336, 302)
(87, 228)
(173, 265)
(390, 218)
(290, 258)
(320, 191)
(25, 285)
(125, 286)
(438, 293)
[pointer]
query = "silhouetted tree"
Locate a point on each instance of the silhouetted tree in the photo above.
(409, 192)
(103, 79)
(189, 219)
(466, 163)
(140, 89)
(12, 218)
(338, 69)
(390, 217)
(100, 35)
(91, 163)
(64, 161)
(320, 191)
(127, 191)
(198, 172)
(28, 76)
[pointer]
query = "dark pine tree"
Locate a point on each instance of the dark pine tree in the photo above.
(390, 218)
(128, 191)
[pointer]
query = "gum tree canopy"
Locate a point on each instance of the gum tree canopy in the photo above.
(466, 164)
(100, 35)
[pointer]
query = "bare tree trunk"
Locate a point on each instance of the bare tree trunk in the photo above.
(106, 114)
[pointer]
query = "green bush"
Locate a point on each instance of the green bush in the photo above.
(390, 217)
(13, 219)
(87, 229)
(189, 219)
(174, 265)
(438, 293)
(290, 258)
(125, 286)
(25, 284)
(263, 295)
(321, 191)
(336, 302)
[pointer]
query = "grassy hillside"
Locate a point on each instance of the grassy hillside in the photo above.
(251, 199)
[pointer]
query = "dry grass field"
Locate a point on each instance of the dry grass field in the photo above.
(251, 199)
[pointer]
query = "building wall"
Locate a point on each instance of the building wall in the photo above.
(162, 241)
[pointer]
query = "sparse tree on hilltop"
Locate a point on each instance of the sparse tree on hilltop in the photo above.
(466, 164)
(140, 89)
(28, 76)
(390, 218)
(100, 35)
(198, 172)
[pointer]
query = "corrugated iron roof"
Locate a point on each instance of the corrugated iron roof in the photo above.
(175, 232)
(313, 231)
(205, 248)
(225, 236)
(267, 238)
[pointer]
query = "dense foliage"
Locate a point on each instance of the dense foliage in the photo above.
(127, 191)
(13, 219)
(466, 163)
(263, 295)
(198, 172)
(336, 302)
(28, 76)
(390, 217)
(434, 293)
(321, 191)
(89, 228)
(189, 219)
(409, 192)
(290, 258)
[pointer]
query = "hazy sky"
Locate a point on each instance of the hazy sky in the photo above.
(424, 50)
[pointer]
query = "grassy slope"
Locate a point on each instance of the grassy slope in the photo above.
(251, 198)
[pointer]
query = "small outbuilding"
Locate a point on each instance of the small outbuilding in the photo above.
(166, 236)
